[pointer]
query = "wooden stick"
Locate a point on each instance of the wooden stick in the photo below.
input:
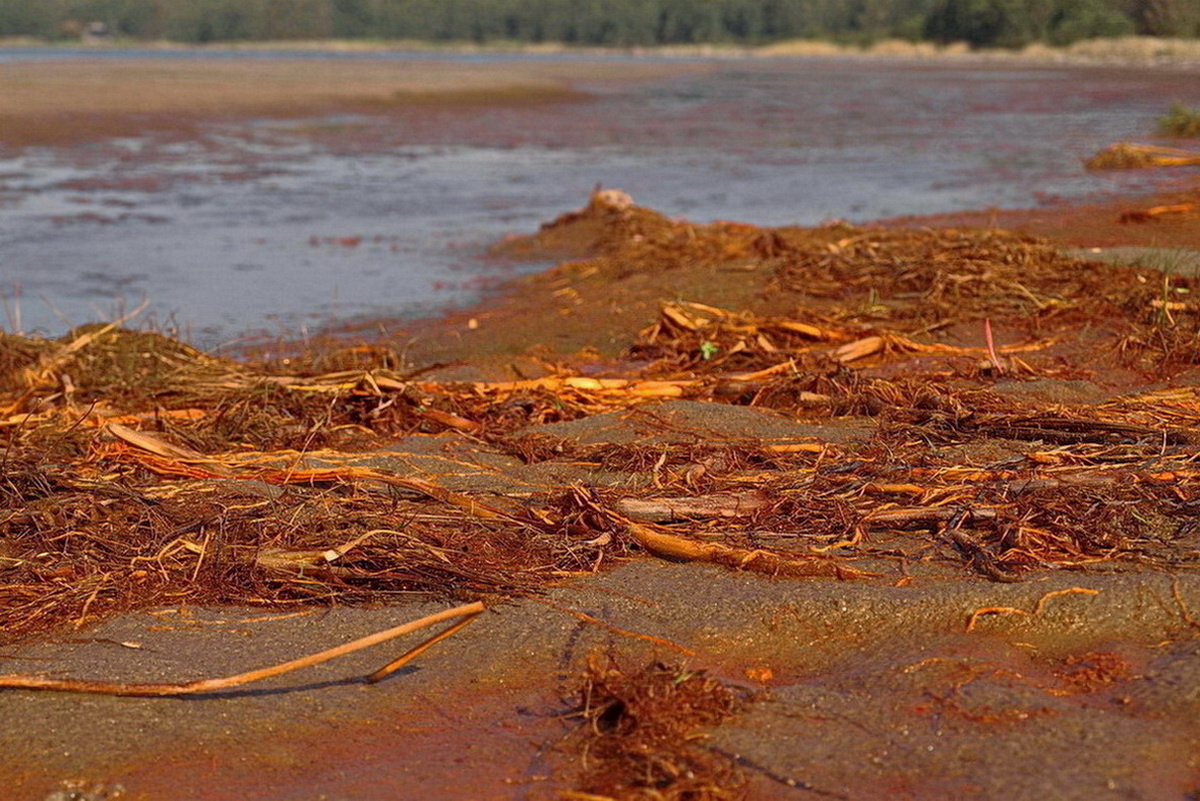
(413, 653)
(900, 515)
(721, 504)
(156, 689)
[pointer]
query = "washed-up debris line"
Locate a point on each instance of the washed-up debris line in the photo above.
(136, 470)
(1131, 156)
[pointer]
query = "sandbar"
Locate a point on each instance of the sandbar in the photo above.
(71, 101)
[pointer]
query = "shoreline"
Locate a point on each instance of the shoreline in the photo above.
(150, 97)
(53, 102)
(490, 339)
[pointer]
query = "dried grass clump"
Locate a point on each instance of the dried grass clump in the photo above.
(644, 736)
(85, 541)
(886, 293)
(916, 278)
(1129, 156)
(691, 337)
(105, 361)
(618, 239)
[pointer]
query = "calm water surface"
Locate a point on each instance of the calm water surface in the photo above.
(278, 227)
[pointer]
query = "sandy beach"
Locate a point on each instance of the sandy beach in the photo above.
(903, 509)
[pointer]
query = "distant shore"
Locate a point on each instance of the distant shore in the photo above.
(1132, 50)
(61, 101)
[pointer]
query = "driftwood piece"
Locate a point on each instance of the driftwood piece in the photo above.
(672, 546)
(663, 510)
(927, 515)
(888, 342)
(467, 612)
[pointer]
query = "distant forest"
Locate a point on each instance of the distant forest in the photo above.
(619, 23)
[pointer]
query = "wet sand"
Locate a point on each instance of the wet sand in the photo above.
(874, 691)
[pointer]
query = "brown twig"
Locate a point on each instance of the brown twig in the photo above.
(1038, 608)
(156, 689)
(595, 621)
(992, 610)
(414, 652)
(1183, 610)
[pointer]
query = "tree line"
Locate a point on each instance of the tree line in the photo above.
(617, 23)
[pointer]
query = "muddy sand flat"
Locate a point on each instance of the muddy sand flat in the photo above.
(839, 512)
(65, 102)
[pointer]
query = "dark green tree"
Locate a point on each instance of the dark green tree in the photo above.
(23, 18)
(1087, 19)
(351, 19)
(983, 23)
(1179, 18)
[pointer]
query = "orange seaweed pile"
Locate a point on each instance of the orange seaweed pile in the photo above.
(137, 470)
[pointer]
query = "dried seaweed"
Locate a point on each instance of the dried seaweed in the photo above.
(136, 470)
(643, 733)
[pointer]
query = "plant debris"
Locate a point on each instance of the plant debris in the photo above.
(895, 398)
(643, 734)
(1129, 156)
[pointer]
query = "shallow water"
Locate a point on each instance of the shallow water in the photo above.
(275, 228)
